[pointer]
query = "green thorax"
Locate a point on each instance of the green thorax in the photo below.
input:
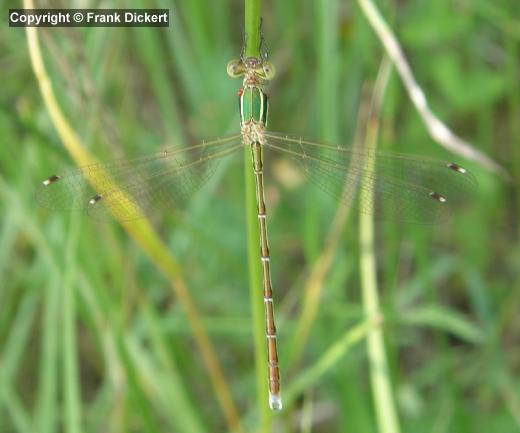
(253, 105)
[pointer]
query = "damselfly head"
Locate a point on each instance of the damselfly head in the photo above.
(259, 67)
(252, 63)
(253, 67)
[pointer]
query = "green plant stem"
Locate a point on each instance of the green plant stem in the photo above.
(379, 375)
(252, 31)
(71, 385)
(252, 27)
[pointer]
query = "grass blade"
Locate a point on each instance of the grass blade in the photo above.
(71, 385)
(330, 358)
(379, 373)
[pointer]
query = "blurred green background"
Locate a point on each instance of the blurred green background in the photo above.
(93, 339)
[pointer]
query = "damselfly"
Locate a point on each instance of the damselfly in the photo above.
(409, 188)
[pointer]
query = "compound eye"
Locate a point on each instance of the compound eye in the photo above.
(235, 68)
(269, 70)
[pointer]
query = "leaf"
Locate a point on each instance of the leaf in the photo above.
(444, 319)
(466, 87)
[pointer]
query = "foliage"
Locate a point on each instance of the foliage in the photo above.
(92, 338)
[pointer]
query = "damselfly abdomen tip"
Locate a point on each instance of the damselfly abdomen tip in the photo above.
(275, 402)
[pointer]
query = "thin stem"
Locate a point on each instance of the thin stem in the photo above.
(71, 388)
(381, 387)
(252, 40)
(252, 27)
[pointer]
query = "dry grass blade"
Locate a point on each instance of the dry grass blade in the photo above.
(142, 232)
(437, 129)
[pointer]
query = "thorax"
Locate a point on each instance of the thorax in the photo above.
(253, 105)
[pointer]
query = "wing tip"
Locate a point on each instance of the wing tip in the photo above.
(50, 180)
(96, 198)
(437, 196)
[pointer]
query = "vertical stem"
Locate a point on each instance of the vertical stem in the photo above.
(513, 65)
(379, 374)
(252, 27)
(327, 13)
(252, 31)
(71, 385)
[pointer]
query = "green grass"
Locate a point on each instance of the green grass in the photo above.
(96, 329)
